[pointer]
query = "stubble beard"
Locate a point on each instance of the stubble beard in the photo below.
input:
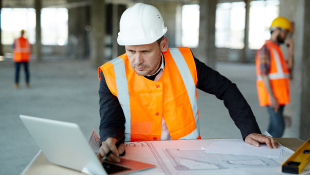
(280, 40)
(148, 72)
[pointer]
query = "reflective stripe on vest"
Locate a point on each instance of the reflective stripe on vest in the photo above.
(279, 73)
(190, 87)
(123, 94)
(19, 49)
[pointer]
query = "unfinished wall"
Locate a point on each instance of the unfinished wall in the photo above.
(78, 32)
(298, 109)
(168, 10)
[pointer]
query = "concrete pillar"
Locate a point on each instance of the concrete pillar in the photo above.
(38, 44)
(168, 10)
(305, 76)
(246, 51)
(115, 29)
(117, 13)
(206, 50)
(78, 28)
(298, 109)
(98, 22)
(178, 25)
(1, 47)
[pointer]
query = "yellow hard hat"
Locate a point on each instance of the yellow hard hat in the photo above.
(281, 22)
(22, 31)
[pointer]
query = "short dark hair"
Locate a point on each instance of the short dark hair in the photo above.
(160, 39)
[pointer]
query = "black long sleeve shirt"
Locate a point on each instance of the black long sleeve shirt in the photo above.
(210, 81)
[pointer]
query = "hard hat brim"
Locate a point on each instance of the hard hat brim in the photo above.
(123, 42)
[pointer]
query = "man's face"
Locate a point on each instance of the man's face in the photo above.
(144, 59)
(282, 35)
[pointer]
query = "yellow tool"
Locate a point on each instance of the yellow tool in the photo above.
(298, 160)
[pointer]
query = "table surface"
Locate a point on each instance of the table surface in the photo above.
(40, 164)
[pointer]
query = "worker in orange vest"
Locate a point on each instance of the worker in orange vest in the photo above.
(21, 56)
(273, 74)
(150, 92)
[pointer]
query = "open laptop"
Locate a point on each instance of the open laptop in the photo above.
(64, 144)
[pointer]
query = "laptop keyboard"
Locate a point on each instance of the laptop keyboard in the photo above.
(112, 168)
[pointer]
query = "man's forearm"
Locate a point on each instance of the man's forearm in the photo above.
(266, 81)
(112, 118)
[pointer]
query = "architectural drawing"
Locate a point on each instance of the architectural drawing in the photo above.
(176, 158)
(136, 144)
(184, 160)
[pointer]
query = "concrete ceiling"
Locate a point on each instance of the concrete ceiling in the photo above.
(30, 3)
(75, 3)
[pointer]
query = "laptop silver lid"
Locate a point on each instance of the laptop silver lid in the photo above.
(63, 144)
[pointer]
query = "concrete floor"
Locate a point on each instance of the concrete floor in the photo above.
(68, 91)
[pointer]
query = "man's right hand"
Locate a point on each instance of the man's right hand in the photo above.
(108, 145)
(274, 103)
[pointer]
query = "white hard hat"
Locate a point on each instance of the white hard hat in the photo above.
(141, 24)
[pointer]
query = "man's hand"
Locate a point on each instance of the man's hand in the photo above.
(254, 139)
(274, 103)
(108, 145)
(290, 45)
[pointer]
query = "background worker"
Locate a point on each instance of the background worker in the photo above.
(273, 73)
(21, 56)
(150, 93)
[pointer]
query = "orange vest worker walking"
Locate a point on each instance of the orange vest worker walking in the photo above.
(273, 74)
(21, 56)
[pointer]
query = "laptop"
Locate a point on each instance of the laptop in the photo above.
(64, 144)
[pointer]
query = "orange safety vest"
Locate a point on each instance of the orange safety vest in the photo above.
(145, 102)
(21, 50)
(278, 75)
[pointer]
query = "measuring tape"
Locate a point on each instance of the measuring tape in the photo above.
(298, 160)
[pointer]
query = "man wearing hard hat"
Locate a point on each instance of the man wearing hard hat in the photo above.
(273, 74)
(21, 56)
(150, 92)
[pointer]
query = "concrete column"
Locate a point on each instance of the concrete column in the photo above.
(115, 29)
(168, 11)
(178, 25)
(1, 47)
(120, 11)
(206, 50)
(305, 76)
(78, 24)
(38, 44)
(298, 109)
(117, 13)
(246, 51)
(98, 21)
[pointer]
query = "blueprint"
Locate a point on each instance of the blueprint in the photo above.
(198, 160)
(176, 158)
(198, 157)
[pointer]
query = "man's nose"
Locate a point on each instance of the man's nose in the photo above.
(138, 59)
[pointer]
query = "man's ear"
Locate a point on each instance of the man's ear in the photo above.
(164, 44)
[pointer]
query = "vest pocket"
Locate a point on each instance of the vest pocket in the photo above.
(141, 127)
